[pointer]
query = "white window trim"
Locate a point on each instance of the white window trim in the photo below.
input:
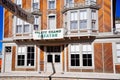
(35, 59)
(48, 20)
(81, 65)
(48, 4)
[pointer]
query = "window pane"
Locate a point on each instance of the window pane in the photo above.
(35, 27)
(49, 58)
(19, 29)
(83, 15)
(77, 62)
(57, 58)
(26, 28)
(118, 60)
(83, 24)
(118, 46)
(72, 62)
(89, 62)
(73, 16)
(20, 61)
(73, 25)
(84, 62)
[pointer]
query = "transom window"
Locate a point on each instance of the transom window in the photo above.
(51, 4)
(81, 55)
(118, 52)
(26, 56)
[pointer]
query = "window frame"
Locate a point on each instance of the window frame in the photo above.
(80, 57)
(26, 66)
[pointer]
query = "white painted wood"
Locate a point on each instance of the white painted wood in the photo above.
(8, 62)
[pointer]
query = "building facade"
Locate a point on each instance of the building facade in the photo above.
(68, 36)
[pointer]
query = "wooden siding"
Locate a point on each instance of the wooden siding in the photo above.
(103, 57)
(104, 16)
(108, 59)
(79, 1)
(59, 17)
(8, 20)
(41, 58)
(117, 67)
(43, 8)
(98, 57)
(13, 57)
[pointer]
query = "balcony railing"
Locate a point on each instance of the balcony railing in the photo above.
(86, 4)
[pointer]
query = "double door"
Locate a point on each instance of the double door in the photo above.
(54, 63)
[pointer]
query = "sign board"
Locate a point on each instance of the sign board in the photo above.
(17, 11)
(48, 34)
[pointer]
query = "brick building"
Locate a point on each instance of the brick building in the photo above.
(68, 37)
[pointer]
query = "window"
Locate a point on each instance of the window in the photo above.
(73, 20)
(94, 19)
(118, 52)
(87, 55)
(19, 25)
(81, 55)
(51, 22)
(83, 19)
(30, 56)
(35, 4)
(8, 49)
(25, 56)
(21, 56)
(74, 55)
(36, 23)
(51, 4)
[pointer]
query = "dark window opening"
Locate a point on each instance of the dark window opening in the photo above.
(49, 58)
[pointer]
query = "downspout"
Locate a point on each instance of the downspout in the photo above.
(53, 67)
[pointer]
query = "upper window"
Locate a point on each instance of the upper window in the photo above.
(26, 56)
(35, 4)
(51, 4)
(81, 55)
(51, 22)
(74, 20)
(118, 52)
